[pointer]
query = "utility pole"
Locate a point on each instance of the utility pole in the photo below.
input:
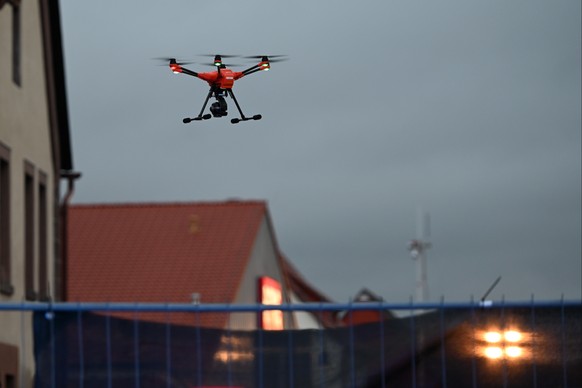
(418, 248)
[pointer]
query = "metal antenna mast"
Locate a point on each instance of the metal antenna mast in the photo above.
(417, 249)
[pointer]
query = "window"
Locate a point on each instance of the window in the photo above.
(8, 365)
(16, 76)
(42, 238)
(29, 231)
(16, 42)
(5, 280)
(270, 294)
(10, 381)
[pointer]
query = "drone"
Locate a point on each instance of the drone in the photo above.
(221, 82)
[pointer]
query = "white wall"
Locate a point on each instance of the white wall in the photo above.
(24, 129)
(263, 261)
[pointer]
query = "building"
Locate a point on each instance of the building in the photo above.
(194, 252)
(358, 317)
(34, 151)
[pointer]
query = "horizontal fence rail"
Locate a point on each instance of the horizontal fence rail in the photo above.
(237, 308)
(378, 344)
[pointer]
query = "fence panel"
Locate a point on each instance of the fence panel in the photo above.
(146, 345)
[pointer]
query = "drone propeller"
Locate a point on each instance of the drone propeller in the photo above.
(169, 60)
(219, 55)
(218, 59)
(270, 58)
(213, 64)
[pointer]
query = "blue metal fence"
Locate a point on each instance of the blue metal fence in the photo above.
(430, 344)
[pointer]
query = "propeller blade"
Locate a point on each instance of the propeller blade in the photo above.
(168, 59)
(277, 60)
(220, 55)
(271, 57)
(225, 64)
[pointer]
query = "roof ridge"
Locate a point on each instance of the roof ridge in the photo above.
(161, 204)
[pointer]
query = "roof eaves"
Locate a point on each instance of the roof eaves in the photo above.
(56, 85)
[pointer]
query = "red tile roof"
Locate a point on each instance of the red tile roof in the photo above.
(161, 252)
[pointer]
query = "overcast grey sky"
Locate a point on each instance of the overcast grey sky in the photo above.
(469, 109)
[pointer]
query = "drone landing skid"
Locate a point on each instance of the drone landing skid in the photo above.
(221, 108)
(186, 120)
(237, 120)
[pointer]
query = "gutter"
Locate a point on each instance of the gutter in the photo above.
(70, 176)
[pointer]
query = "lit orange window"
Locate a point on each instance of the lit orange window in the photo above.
(270, 294)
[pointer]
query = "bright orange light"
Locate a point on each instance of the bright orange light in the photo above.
(498, 345)
(492, 336)
(513, 351)
(229, 356)
(513, 336)
(493, 352)
(270, 294)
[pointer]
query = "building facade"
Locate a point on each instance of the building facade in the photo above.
(34, 149)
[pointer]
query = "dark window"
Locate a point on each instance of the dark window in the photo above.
(16, 76)
(42, 238)
(29, 231)
(8, 365)
(10, 381)
(5, 280)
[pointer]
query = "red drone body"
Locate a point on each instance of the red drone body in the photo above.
(221, 83)
(224, 80)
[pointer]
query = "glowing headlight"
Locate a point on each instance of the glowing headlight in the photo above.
(512, 336)
(492, 337)
(493, 352)
(513, 351)
(503, 344)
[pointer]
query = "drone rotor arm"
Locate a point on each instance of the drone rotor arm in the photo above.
(189, 72)
(177, 67)
(251, 70)
(261, 66)
(183, 70)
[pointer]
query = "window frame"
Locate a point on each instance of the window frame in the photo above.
(42, 229)
(16, 43)
(6, 286)
(29, 231)
(16, 40)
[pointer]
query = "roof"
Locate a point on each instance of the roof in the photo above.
(160, 252)
(306, 293)
(358, 317)
(365, 295)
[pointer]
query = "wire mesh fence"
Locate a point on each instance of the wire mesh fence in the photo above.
(501, 344)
